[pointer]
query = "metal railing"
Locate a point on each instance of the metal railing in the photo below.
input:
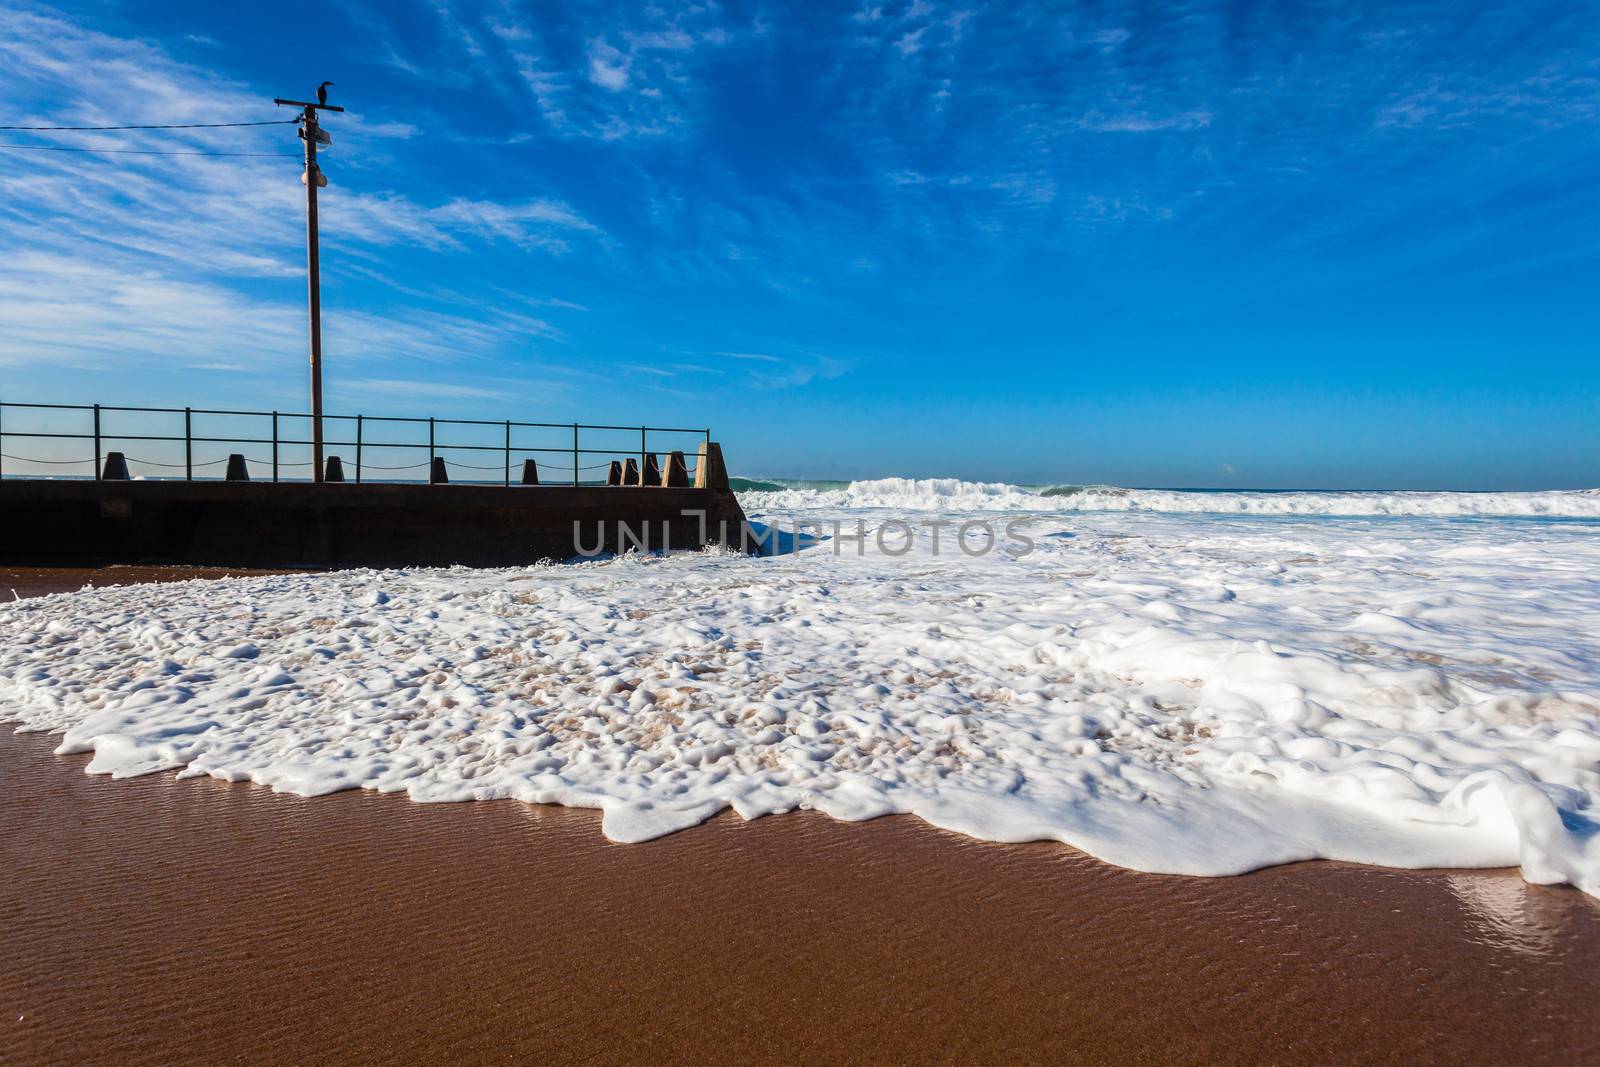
(358, 437)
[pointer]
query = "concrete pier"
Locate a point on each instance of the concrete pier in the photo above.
(305, 525)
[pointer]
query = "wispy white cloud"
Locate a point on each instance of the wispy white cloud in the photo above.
(752, 357)
(796, 367)
(799, 372)
(1145, 123)
(423, 389)
(75, 313)
(131, 258)
(401, 130)
(390, 218)
(613, 73)
(608, 67)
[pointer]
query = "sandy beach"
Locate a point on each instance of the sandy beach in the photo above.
(37, 581)
(152, 917)
(149, 918)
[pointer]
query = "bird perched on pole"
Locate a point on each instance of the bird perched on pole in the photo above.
(322, 92)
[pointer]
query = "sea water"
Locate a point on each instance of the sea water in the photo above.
(1194, 683)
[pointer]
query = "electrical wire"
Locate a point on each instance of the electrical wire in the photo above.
(169, 126)
(143, 151)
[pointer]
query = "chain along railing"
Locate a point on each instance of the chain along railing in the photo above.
(356, 447)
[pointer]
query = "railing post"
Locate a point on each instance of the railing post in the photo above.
(188, 446)
(358, 449)
(2, 440)
(274, 446)
(574, 453)
(508, 451)
(642, 452)
(430, 448)
(97, 442)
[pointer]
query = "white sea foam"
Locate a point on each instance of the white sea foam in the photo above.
(953, 494)
(1187, 694)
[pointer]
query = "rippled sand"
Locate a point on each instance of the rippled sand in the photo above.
(153, 919)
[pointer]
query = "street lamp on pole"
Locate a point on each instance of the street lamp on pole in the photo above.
(313, 134)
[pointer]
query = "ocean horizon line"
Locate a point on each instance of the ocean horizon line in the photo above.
(754, 483)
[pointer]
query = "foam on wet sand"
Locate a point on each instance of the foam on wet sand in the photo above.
(1193, 694)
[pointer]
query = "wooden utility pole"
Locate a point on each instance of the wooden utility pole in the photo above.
(312, 134)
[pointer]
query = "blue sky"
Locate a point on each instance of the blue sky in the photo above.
(1336, 245)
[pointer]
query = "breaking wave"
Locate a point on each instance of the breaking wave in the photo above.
(954, 494)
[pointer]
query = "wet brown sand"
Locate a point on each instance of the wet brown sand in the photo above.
(153, 919)
(37, 581)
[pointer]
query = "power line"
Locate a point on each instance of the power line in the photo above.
(141, 151)
(170, 126)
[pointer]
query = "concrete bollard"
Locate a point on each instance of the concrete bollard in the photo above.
(614, 473)
(530, 472)
(116, 468)
(333, 470)
(677, 473)
(237, 469)
(438, 475)
(652, 469)
(630, 471)
(710, 472)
